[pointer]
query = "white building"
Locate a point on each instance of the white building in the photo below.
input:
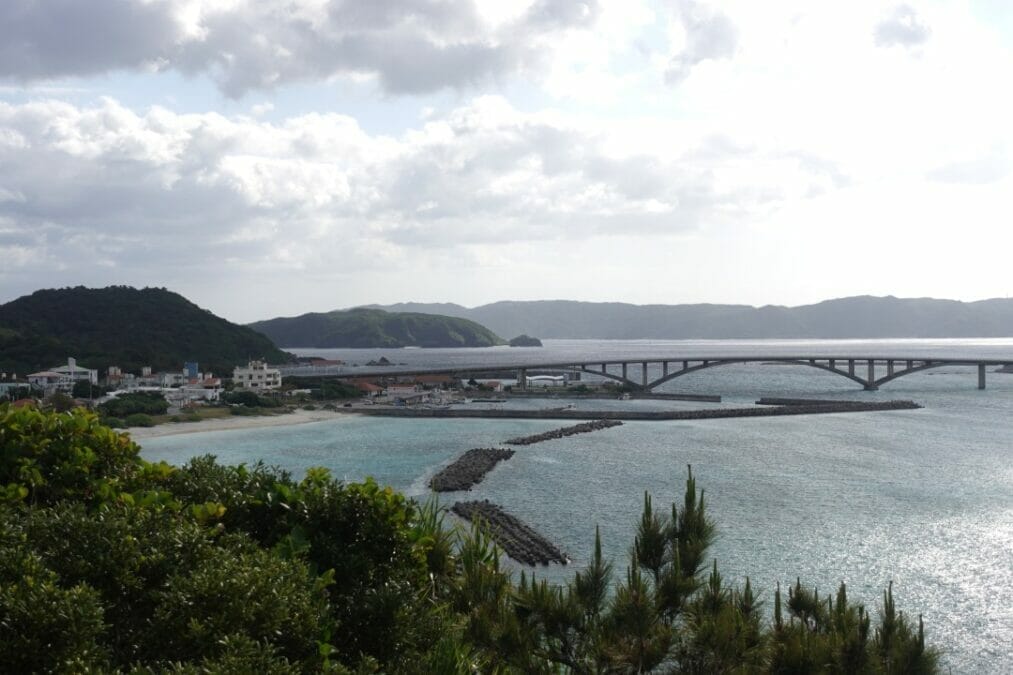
(50, 381)
(256, 375)
(76, 373)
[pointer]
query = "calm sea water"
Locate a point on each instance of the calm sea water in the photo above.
(923, 498)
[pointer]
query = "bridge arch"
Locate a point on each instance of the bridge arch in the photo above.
(722, 362)
(925, 365)
(611, 376)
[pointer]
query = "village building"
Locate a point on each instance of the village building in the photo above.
(62, 378)
(76, 373)
(257, 375)
(368, 389)
(50, 382)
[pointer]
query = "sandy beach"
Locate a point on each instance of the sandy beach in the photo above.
(233, 423)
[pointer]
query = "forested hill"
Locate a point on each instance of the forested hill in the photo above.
(854, 317)
(125, 327)
(376, 328)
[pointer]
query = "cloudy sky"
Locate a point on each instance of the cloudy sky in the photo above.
(271, 157)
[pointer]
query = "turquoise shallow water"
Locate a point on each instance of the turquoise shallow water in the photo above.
(923, 497)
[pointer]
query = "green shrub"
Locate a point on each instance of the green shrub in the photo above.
(148, 403)
(112, 422)
(45, 457)
(45, 626)
(243, 592)
(139, 420)
(250, 399)
(243, 411)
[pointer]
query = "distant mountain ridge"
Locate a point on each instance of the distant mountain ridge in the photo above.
(125, 327)
(363, 327)
(859, 317)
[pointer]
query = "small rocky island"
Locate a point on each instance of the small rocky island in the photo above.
(525, 341)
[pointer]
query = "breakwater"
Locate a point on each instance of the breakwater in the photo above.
(603, 396)
(638, 415)
(469, 469)
(583, 428)
(770, 400)
(517, 540)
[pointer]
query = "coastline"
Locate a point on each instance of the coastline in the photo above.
(234, 423)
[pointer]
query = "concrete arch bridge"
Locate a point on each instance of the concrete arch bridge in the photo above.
(870, 372)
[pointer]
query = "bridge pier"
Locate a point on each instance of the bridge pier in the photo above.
(522, 378)
(624, 370)
(664, 368)
(643, 378)
(870, 383)
(851, 367)
(981, 376)
(889, 367)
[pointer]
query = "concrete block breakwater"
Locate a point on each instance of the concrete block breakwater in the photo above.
(636, 395)
(583, 428)
(469, 469)
(769, 400)
(519, 541)
(643, 415)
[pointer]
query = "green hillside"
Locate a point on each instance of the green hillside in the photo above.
(122, 326)
(376, 328)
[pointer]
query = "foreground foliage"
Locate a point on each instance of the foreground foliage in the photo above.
(110, 563)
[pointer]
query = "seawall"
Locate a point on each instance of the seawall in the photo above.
(638, 415)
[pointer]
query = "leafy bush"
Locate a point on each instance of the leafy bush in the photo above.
(139, 420)
(85, 389)
(250, 399)
(45, 626)
(148, 403)
(46, 457)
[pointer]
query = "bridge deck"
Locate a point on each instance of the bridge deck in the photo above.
(847, 366)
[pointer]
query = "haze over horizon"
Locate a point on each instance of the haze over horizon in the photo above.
(274, 158)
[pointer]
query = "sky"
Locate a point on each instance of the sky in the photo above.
(274, 157)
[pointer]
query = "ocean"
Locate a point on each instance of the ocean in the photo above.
(923, 498)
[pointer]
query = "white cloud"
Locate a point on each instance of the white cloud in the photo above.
(902, 27)
(705, 34)
(793, 128)
(409, 46)
(169, 192)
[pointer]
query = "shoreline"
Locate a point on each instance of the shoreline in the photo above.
(233, 423)
(298, 417)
